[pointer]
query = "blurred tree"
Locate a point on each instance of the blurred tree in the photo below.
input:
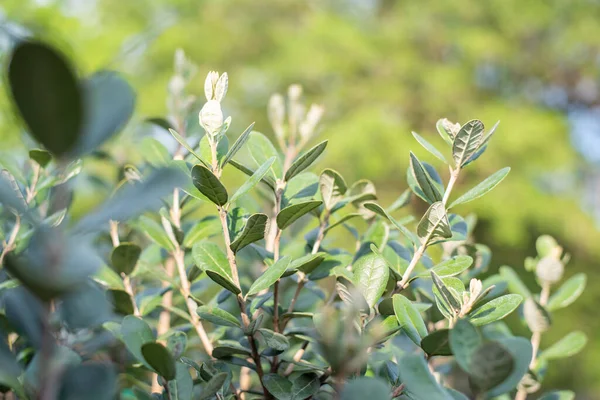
(382, 68)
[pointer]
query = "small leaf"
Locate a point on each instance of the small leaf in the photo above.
(42, 157)
(377, 209)
(124, 257)
(254, 230)
(452, 267)
(332, 187)
(491, 364)
(217, 316)
(275, 340)
(209, 185)
(270, 276)
(261, 149)
(290, 214)
(305, 160)
(482, 188)
(159, 359)
(434, 224)
(437, 343)
(47, 94)
(267, 180)
(177, 343)
(155, 232)
(253, 180)
(431, 192)
(237, 145)
(495, 310)
(409, 319)
(444, 133)
(307, 263)
(568, 292)
(363, 387)
(213, 386)
(464, 340)
(568, 346)
(418, 380)
(135, 332)
(467, 141)
(210, 258)
(450, 299)
(371, 275)
(305, 386)
(182, 142)
(429, 147)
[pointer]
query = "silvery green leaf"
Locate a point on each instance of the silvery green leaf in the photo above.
(253, 180)
(332, 187)
(495, 309)
(482, 188)
(269, 276)
(237, 145)
(429, 147)
(568, 346)
(568, 292)
(425, 183)
(418, 381)
(366, 387)
(377, 209)
(409, 318)
(434, 224)
(305, 160)
(467, 141)
(452, 266)
(450, 299)
(464, 340)
(521, 351)
(371, 275)
(267, 180)
(261, 149)
(446, 130)
(437, 343)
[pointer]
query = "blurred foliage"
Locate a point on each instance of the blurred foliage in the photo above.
(380, 68)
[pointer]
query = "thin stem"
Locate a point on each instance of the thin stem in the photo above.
(164, 318)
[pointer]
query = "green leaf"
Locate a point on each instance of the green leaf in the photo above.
(449, 298)
(342, 220)
(305, 160)
(10, 371)
(491, 364)
(332, 187)
(254, 230)
(217, 316)
(495, 309)
(429, 147)
(437, 343)
(109, 104)
(253, 180)
(568, 346)
(377, 209)
(275, 340)
(47, 94)
(237, 145)
(270, 276)
(431, 192)
(418, 380)
(205, 228)
(467, 141)
(135, 332)
(160, 359)
(278, 386)
(559, 395)
(228, 348)
(210, 258)
(154, 152)
(568, 292)
(515, 284)
(155, 232)
(464, 340)
(520, 349)
(434, 224)
(290, 214)
(267, 180)
(182, 387)
(213, 386)
(182, 142)
(209, 185)
(177, 343)
(93, 381)
(261, 149)
(451, 267)
(42, 157)
(307, 263)
(409, 318)
(371, 274)
(124, 257)
(305, 386)
(482, 188)
(366, 388)
(444, 133)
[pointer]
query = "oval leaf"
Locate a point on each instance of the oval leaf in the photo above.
(217, 316)
(495, 310)
(270, 276)
(124, 257)
(210, 258)
(409, 319)
(467, 141)
(254, 230)
(568, 346)
(160, 359)
(290, 214)
(371, 275)
(209, 185)
(305, 160)
(253, 180)
(568, 292)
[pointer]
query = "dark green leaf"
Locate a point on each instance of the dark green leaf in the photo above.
(209, 185)
(467, 142)
(254, 230)
(491, 364)
(437, 343)
(182, 387)
(124, 257)
(305, 160)
(275, 340)
(159, 358)
(434, 224)
(290, 214)
(307, 263)
(135, 333)
(10, 371)
(464, 340)
(237, 145)
(520, 349)
(278, 386)
(409, 319)
(305, 386)
(495, 309)
(483, 187)
(418, 381)
(47, 94)
(42, 157)
(213, 386)
(210, 258)
(269, 276)
(176, 343)
(93, 381)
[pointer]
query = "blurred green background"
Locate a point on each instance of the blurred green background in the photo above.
(383, 68)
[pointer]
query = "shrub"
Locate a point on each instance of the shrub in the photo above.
(289, 286)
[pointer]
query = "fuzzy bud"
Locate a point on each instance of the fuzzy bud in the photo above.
(221, 87)
(276, 112)
(549, 269)
(307, 128)
(211, 117)
(209, 85)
